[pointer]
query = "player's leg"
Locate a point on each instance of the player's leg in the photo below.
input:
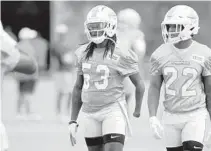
(3, 138)
(69, 100)
(94, 143)
(69, 88)
(29, 92)
(20, 101)
(193, 134)
(172, 137)
(92, 133)
(58, 85)
(114, 128)
(58, 102)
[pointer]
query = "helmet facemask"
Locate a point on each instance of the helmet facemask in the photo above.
(172, 32)
(96, 31)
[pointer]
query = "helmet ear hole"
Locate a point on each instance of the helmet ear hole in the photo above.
(192, 28)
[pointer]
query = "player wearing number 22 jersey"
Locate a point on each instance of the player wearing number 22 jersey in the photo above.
(184, 67)
(182, 71)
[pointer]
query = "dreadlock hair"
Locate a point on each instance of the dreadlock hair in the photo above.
(110, 46)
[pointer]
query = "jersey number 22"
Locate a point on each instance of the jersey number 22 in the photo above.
(185, 91)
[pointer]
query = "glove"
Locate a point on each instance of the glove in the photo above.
(156, 127)
(208, 140)
(73, 126)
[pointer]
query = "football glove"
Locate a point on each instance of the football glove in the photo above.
(73, 126)
(156, 127)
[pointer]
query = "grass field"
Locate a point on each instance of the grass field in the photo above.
(49, 134)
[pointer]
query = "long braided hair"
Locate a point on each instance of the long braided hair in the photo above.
(110, 46)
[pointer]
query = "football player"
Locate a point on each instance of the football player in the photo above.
(131, 37)
(184, 65)
(27, 83)
(101, 69)
(64, 75)
(12, 60)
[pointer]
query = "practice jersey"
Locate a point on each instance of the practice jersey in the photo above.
(182, 71)
(103, 76)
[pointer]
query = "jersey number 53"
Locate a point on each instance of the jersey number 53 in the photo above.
(100, 68)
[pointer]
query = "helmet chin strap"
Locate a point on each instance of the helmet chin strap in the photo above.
(105, 39)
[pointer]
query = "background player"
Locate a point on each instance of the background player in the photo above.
(102, 67)
(131, 37)
(27, 83)
(12, 60)
(64, 76)
(184, 66)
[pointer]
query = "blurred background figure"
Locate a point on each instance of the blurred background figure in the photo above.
(29, 40)
(64, 76)
(131, 37)
(11, 60)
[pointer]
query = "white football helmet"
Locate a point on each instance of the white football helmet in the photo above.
(185, 21)
(100, 24)
(129, 18)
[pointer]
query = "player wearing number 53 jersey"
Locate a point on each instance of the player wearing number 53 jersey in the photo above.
(101, 69)
(184, 66)
(103, 77)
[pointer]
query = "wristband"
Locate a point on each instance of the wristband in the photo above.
(71, 122)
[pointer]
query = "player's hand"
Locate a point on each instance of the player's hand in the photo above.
(136, 114)
(73, 126)
(208, 140)
(137, 111)
(156, 127)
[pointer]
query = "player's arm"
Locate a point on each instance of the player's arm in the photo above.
(76, 97)
(154, 94)
(14, 59)
(26, 64)
(156, 80)
(128, 67)
(207, 89)
(206, 74)
(139, 91)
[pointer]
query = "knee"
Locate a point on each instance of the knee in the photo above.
(180, 148)
(113, 142)
(113, 146)
(192, 146)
